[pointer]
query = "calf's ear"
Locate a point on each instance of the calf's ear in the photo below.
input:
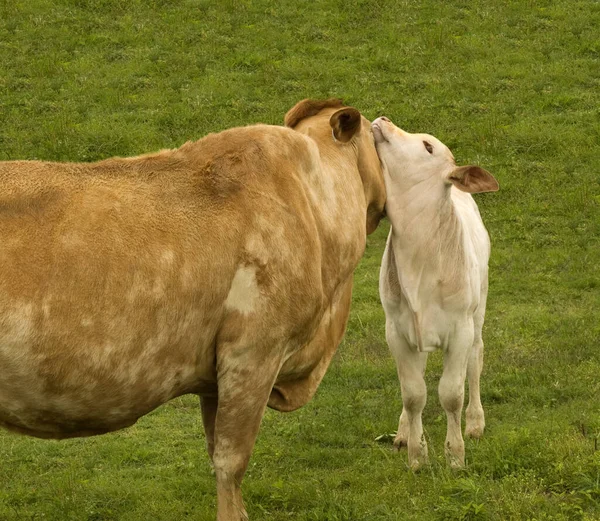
(345, 124)
(473, 179)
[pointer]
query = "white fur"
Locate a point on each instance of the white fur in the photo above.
(244, 291)
(433, 285)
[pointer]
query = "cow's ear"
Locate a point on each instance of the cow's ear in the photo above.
(473, 179)
(345, 124)
(309, 107)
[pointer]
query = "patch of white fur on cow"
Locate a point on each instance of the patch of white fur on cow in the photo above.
(255, 246)
(87, 321)
(46, 307)
(156, 344)
(137, 288)
(71, 239)
(17, 324)
(167, 257)
(67, 405)
(187, 275)
(144, 287)
(158, 288)
(244, 291)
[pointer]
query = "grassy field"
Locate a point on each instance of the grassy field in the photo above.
(511, 85)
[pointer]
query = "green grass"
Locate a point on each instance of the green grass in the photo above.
(511, 85)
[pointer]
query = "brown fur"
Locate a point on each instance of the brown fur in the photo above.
(345, 124)
(308, 108)
(222, 268)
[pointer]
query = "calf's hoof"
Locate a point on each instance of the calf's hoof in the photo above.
(419, 463)
(475, 423)
(400, 442)
(474, 431)
(418, 457)
(455, 461)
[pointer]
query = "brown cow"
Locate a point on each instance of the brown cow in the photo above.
(222, 268)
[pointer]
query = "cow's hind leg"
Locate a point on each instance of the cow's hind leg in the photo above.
(244, 387)
(209, 414)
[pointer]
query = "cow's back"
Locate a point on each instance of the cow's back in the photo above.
(118, 277)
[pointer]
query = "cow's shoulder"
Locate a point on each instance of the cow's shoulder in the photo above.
(248, 146)
(257, 157)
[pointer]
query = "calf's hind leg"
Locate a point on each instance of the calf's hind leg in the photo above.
(451, 391)
(475, 417)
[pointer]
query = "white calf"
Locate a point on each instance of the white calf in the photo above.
(433, 281)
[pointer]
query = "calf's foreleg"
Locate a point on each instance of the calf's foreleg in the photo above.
(411, 366)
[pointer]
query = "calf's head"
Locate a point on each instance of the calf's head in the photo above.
(420, 159)
(344, 131)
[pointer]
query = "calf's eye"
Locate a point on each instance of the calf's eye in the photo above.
(428, 147)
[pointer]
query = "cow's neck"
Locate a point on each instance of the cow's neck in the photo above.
(340, 206)
(428, 244)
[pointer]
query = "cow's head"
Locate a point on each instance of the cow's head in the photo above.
(347, 130)
(421, 159)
